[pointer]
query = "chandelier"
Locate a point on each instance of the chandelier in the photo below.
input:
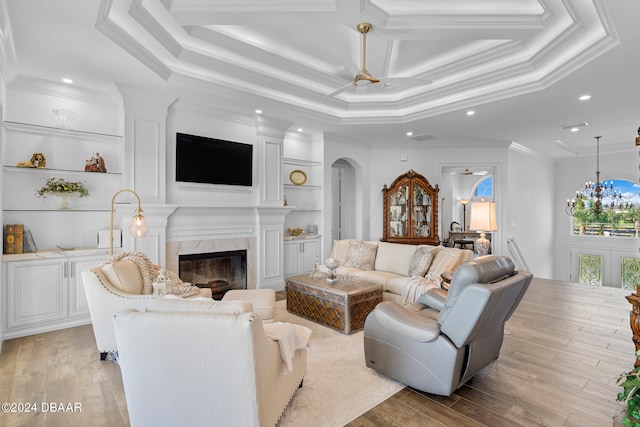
(594, 192)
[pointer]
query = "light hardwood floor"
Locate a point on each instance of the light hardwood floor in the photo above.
(565, 348)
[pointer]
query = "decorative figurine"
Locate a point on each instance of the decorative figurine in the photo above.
(37, 161)
(95, 164)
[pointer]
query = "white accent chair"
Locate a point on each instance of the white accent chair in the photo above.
(117, 286)
(203, 363)
(109, 289)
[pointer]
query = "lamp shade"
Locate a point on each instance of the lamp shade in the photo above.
(138, 227)
(483, 216)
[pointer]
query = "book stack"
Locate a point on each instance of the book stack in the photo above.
(14, 239)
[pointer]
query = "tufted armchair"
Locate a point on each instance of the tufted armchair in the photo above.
(109, 289)
(440, 342)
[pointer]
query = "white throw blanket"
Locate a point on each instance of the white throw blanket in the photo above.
(290, 338)
(414, 287)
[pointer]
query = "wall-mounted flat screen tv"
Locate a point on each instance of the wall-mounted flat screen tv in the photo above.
(213, 161)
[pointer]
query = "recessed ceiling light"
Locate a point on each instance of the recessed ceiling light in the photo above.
(470, 113)
(572, 126)
(585, 97)
(67, 80)
(409, 133)
(575, 129)
(299, 129)
(258, 111)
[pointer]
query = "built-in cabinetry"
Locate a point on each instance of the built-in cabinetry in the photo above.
(300, 255)
(44, 291)
(66, 152)
(410, 210)
(303, 192)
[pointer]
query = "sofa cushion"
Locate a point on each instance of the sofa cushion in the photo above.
(421, 261)
(376, 277)
(340, 271)
(447, 259)
(394, 257)
(361, 255)
(340, 250)
(395, 285)
(125, 276)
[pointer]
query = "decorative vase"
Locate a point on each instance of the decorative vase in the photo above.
(332, 265)
(316, 273)
(64, 202)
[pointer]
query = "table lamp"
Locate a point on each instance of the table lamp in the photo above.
(483, 219)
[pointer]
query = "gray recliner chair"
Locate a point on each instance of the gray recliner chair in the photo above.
(437, 345)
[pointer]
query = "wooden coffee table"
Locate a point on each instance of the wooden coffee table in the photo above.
(342, 306)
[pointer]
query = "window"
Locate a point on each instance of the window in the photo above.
(590, 267)
(613, 221)
(630, 272)
(484, 189)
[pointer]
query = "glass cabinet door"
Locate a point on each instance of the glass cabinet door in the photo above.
(398, 212)
(421, 211)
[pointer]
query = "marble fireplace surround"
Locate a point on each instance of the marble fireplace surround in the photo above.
(175, 249)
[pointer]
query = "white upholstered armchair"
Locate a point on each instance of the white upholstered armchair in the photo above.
(109, 289)
(200, 363)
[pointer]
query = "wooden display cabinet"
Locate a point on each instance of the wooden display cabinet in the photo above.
(410, 210)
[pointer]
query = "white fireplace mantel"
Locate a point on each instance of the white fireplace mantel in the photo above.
(175, 230)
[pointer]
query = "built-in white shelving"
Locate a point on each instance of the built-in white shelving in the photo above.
(51, 130)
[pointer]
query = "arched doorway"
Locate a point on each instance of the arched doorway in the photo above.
(343, 200)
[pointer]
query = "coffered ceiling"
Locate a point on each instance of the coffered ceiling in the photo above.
(520, 65)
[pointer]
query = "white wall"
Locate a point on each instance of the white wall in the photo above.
(531, 212)
(359, 156)
(198, 120)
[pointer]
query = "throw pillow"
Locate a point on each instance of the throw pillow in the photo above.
(420, 262)
(361, 255)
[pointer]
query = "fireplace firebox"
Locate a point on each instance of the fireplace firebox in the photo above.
(221, 271)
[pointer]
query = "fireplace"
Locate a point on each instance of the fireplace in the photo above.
(221, 271)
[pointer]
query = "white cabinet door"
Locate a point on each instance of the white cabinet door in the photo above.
(36, 292)
(310, 253)
(78, 306)
(291, 258)
(300, 256)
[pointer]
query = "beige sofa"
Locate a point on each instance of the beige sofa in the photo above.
(392, 265)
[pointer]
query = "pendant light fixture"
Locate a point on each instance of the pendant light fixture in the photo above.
(594, 193)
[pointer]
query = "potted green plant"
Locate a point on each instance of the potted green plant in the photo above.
(630, 395)
(63, 189)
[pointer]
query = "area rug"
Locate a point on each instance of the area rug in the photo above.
(338, 386)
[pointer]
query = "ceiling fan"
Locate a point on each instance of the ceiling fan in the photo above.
(362, 77)
(467, 172)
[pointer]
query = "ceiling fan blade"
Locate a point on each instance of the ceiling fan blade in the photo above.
(405, 81)
(343, 60)
(342, 89)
